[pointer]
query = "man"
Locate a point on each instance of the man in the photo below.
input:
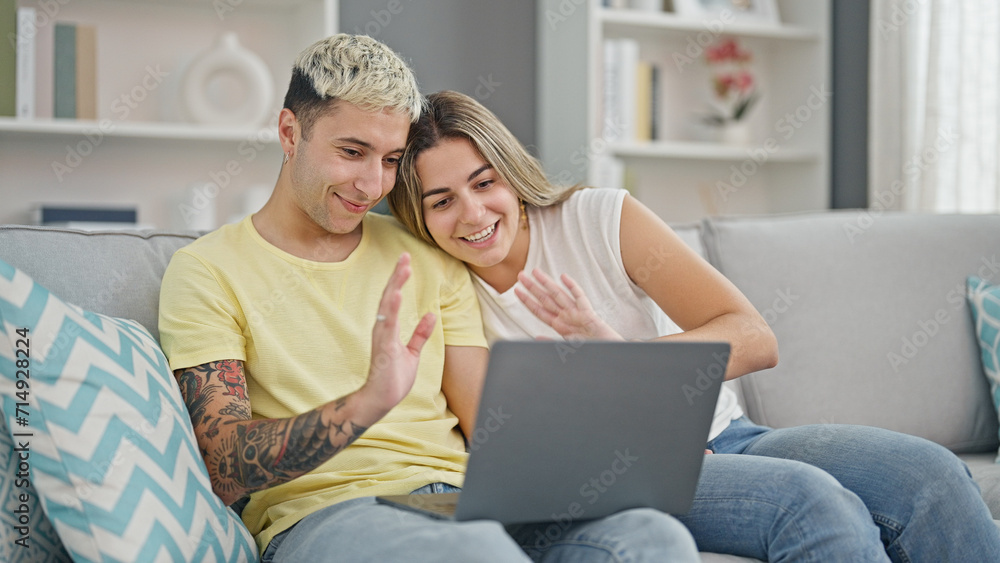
(302, 392)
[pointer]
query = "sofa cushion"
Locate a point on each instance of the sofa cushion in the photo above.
(984, 300)
(115, 273)
(870, 316)
(987, 475)
(92, 403)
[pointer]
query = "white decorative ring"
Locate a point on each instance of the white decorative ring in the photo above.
(227, 57)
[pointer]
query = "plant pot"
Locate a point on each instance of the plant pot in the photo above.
(736, 133)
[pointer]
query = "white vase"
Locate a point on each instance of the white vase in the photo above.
(736, 133)
(247, 99)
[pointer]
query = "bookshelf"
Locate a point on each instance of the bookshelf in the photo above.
(150, 155)
(688, 172)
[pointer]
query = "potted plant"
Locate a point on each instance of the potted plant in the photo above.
(734, 89)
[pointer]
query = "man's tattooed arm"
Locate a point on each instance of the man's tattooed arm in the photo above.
(245, 455)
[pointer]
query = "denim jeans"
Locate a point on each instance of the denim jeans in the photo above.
(835, 492)
(362, 530)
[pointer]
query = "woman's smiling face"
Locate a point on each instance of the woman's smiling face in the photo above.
(470, 212)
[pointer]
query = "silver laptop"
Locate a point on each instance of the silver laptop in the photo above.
(568, 431)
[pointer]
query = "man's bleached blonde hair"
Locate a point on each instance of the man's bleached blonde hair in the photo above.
(356, 69)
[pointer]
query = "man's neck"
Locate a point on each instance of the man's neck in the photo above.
(299, 236)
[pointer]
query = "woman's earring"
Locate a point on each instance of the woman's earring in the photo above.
(524, 216)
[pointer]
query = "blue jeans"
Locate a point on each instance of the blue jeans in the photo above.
(836, 492)
(362, 530)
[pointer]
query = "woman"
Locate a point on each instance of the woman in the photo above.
(823, 493)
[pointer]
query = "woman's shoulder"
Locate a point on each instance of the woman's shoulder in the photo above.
(589, 196)
(590, 202)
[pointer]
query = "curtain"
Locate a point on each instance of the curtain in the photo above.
(934, 105)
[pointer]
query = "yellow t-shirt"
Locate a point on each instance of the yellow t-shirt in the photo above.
(303, 331)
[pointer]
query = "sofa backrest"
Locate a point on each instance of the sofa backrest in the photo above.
(114, 273)
(870, 316)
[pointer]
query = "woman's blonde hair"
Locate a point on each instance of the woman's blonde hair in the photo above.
(452, 115)
(356, 69)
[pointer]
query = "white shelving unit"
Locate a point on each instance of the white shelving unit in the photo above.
(684, 176)
(141, 150)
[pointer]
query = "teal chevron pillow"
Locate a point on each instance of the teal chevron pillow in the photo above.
(26, 535)
(109, 446)
(984, 300)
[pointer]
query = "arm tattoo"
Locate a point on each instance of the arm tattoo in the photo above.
(274, 451)
(238, 410)
(198, 395)
(231, 375)
(258, 453)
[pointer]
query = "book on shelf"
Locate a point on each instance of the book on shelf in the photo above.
(44, 70)
(628, 53)
(8, 58)
(86, 217)
(25, 95)
(34, 55)
(610, 105)
(631, 94)
(64, 71)
(647, 101)
(86, 72)
(620, 59)
(654, 103)
(643, 101)
(74, 82)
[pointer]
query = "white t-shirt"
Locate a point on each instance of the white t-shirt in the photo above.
(580, 237)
